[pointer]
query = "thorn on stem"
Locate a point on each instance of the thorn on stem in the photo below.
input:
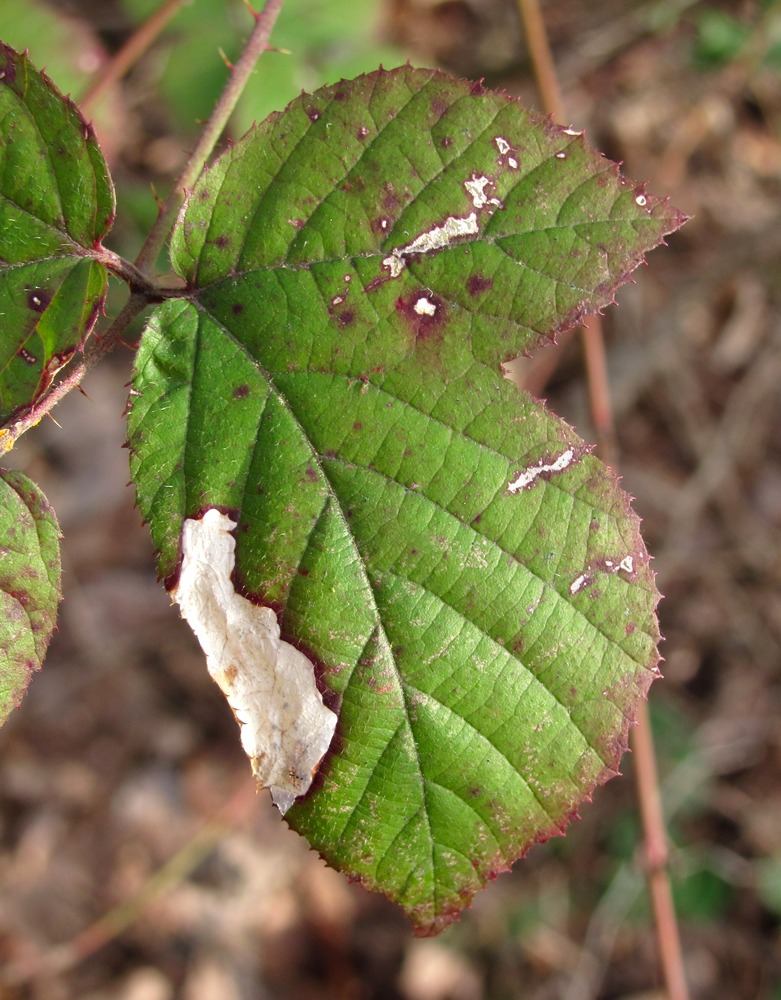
(251, 11)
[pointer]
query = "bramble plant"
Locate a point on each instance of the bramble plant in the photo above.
(427, 602)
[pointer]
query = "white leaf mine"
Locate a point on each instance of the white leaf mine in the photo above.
(433, 239)
(529, 476)
(269, 684)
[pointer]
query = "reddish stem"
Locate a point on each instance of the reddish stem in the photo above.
(654, 830)
(129, 54)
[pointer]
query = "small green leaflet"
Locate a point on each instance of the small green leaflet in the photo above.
(29, 583)
(56, 204)
(466, 580)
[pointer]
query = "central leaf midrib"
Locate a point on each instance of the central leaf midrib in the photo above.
(359, 558)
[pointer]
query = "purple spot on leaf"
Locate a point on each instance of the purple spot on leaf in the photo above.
(7, 65)
(425, 314)
(26, 356)
(241, 391)
(476, 284)
(38, 300)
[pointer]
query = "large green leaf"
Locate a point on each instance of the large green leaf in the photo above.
(56, 204)
(467, 580)
(29, 583)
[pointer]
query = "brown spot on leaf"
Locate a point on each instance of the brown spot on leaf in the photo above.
(237, 308)
(26, 356)
(346, 318)
(241, 391)
(362, 132)
(438, 107)
(222, 242)
(312, 114)
(477, 284)
(446, 141)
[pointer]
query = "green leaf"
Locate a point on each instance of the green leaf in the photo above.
(467, 580)
(29, 583)
(56, 204)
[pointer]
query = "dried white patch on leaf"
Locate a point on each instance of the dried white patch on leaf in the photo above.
(502, 145)
(529, 476)
(579, 583)
(625, 565)
(425, 307)
(269, 684)
(475, 188)
(433, 239)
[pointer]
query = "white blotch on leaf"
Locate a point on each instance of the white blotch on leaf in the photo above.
(529, 476)
(641, 200)
(269, 684)
(502, 145)
(475, 188)
(627, 565)
(573, 131)
(425, 307)
(433, 239)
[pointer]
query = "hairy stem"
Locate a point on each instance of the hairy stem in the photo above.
(240, 74)
(654, 830)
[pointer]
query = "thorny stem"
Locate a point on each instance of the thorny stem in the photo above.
(655, 834)
(240, 74)
(129, 54)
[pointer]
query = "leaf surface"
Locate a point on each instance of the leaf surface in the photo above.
(29, 583)
(56, 204)
(468, 580)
